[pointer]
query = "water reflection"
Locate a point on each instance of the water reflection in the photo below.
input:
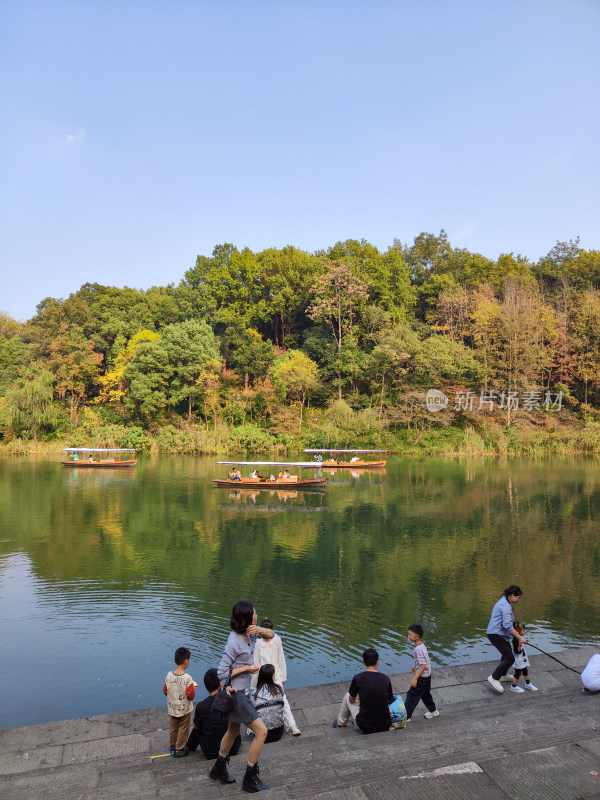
(119, 569)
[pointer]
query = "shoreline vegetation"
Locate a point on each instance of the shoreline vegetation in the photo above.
(474, 437)
(270, 352)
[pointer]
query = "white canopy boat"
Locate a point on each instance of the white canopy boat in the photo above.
(355, 461)
(84, 457)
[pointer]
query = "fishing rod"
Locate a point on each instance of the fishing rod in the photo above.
(535, 647)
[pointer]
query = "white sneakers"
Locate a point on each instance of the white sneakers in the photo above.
(517, 690)
(531, 687)
(431, 714)
(495, 684)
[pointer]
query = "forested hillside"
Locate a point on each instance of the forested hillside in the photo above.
(283, 348)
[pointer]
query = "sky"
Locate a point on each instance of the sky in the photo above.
(136, 134)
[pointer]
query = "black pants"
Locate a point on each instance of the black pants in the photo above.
(274, 734)
(422, 691)
(508, 657)
(524, 672)
(210, 747)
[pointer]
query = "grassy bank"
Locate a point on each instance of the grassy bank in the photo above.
(473, 435)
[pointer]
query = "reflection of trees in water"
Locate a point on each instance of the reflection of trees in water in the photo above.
(437, 540)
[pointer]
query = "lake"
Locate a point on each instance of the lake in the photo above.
(103, 574)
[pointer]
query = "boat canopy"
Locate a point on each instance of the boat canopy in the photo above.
(329, 450)
(99, 450)
(269, 463)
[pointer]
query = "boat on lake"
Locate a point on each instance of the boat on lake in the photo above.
(90, 457)
(279, 482)
(355, 461)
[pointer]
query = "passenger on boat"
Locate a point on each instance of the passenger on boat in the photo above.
(254, 474)
(287, 473)
(354, 458)
(235, 475)
(280, 475)
(271, 477)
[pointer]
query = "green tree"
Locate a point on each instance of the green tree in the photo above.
(13, 356)
(29, 404)
(337, 299)
(294, 376)
(251, 356)
(112, 383)
(147, 379)
(287, 275)
(75, 363)
(190, 347)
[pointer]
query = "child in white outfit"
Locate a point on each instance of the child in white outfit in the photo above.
(521, 664)
(270, 651)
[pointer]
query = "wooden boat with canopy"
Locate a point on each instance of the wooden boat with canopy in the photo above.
(355, 461)
(98, 457)
(274, 481)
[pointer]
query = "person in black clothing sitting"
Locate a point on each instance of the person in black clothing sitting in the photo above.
(208, 732)
(368, 700)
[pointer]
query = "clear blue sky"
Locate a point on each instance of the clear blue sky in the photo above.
(136, 135)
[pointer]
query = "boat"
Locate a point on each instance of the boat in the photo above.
(291, 482)
(94, 457)
(355, 462)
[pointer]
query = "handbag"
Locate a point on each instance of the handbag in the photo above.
(224, 701)
(397, 713)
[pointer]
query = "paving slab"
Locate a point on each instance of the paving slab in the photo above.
(476, 786)
(558, 773)
(547, 743)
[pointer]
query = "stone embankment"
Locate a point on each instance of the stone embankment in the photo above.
(539, 745)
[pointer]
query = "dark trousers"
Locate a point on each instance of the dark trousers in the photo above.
(210, 747)
(523, 671)
(508, 657)
(422, 691)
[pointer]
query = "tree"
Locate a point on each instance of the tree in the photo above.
(189, 346)
(486, 331)
(250, 356)
(338, 295)
(287, 275)
(529, 336)
(451, 313)
(13, 355)
(112, 383)
(586, 329)
(295, 375)
(147, 379)
(75, 364)
(9, 327)
(29, 403)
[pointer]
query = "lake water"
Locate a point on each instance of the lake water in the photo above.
(104, 573)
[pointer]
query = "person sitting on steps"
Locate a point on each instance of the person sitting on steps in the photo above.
(368, 699)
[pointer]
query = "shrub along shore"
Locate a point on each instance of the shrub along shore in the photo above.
(472, 435)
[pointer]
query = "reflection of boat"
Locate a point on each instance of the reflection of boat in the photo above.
(107, 457)
(355, 461)
(356, 473)
(290, 482)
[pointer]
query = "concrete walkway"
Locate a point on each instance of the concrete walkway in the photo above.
(542, 745)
